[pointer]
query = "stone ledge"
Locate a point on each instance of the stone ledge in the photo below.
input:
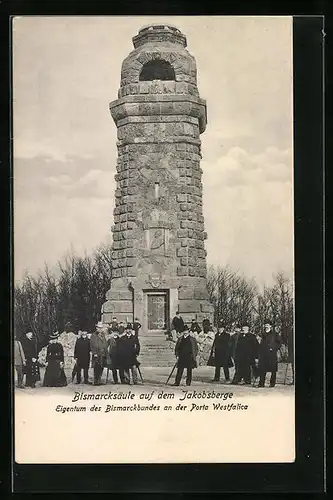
(152, 140)
(156, 98)
(157, 119)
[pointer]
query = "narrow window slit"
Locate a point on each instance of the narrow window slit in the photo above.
(157, 190)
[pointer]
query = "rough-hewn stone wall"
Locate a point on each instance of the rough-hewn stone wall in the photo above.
(158, 231)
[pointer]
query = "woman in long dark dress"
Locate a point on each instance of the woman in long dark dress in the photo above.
(54, 373)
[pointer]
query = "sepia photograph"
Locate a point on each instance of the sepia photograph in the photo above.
(153, 239)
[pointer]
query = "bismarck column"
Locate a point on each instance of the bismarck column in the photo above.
(158, 252)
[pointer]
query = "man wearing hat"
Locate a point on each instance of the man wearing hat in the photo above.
(128, 348)
(29, 344)
(99, 347)
(186, 351)
(112, 356)
(245, 355)
(82, 356)
(220, 355)
(234, 336)
(268, 349)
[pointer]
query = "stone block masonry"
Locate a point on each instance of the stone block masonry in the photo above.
(158, 253)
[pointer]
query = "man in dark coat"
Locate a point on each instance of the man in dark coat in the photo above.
(112, 358)
(136, 327)
(178, 323)
(82, 357)
(98, 346)
(186, 351)
(29, 344)
(206, 325)
(74, 371)
(245, 356)
(235, 334)
(268, 362)
(128, 348)
(221, 353)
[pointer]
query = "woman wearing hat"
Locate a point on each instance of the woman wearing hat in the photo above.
(54, 373)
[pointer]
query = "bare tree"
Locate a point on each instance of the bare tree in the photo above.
(68, 299)
(232, 295)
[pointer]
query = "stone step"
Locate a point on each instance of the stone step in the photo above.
(156, 351)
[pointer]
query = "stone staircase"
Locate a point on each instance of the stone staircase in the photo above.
(156, 351)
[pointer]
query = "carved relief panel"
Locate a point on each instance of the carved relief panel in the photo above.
(157, 240)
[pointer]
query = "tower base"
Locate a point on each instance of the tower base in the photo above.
(155, 304)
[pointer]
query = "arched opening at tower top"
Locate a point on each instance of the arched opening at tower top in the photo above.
(157, 69)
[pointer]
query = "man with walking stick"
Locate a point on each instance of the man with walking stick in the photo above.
(186, 350)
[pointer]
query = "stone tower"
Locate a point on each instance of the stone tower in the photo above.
(158, 252)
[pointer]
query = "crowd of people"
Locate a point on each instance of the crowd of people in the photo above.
(116, 348)
(253, 356)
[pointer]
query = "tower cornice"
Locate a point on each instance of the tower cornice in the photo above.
(160, 105)
(162, 32)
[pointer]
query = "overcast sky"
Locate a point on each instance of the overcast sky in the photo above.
(67, 70)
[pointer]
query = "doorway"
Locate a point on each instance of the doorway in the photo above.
(157, 311)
